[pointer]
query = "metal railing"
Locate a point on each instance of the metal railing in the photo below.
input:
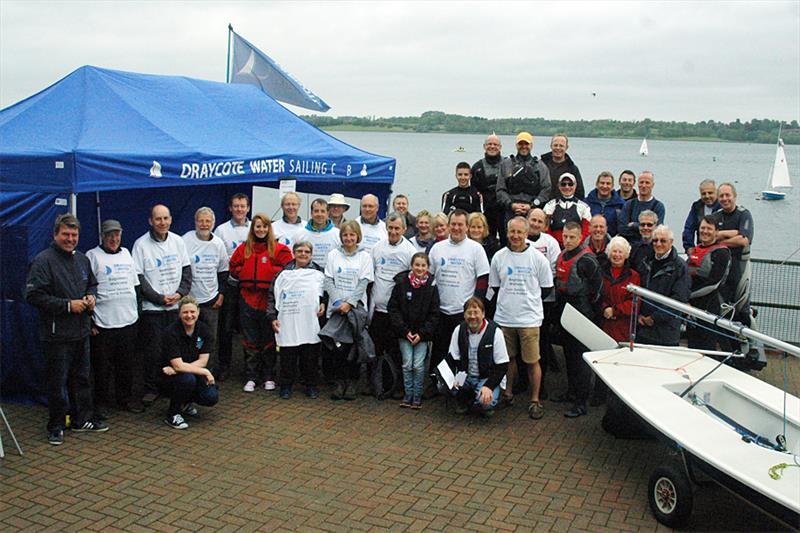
(775, 293)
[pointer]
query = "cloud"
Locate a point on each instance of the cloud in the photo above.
(673, 61)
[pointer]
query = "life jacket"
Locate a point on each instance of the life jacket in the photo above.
(485, 349)
(700, 262)
(561, 215)
(567, 279)
(524, 177)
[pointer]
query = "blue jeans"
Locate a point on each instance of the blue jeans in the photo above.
(476, 383)
(413, 366)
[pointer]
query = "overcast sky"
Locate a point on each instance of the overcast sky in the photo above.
(666, 61)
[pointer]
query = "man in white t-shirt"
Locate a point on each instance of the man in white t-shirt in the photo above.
(165, 276)
(389, 258)
(548, 245)
(209, 272)
(521, 276)
(461, 270)
(320, 232)
(290, 224)
(373, 229)
(114, 321)
(233, 233)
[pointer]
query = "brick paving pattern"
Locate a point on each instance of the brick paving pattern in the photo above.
(258, 463)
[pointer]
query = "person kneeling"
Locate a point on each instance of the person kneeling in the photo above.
(185, 379)
(485, 359)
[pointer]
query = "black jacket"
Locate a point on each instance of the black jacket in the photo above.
(414, 310)
(556, 169)
(56, 277)
(669, 277)
(492, 372)
(486, 181)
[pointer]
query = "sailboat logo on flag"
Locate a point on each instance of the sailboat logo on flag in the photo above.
(252, 66)
(155, 170)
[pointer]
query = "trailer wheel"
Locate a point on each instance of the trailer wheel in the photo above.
(670, 495)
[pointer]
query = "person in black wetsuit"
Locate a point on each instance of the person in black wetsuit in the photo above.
(465, 196)
(484, 176)
(559, 162)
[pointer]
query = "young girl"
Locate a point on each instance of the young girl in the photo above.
(414, 312)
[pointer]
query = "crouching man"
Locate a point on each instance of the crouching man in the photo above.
(185, 378)
(478, 348)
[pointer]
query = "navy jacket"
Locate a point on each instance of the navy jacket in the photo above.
(692, 223)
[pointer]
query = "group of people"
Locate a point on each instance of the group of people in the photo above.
(474, 291)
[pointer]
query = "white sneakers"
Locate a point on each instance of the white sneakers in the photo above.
(250, 386)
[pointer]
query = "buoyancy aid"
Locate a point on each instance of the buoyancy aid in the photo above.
(700, 262)
(567, 279)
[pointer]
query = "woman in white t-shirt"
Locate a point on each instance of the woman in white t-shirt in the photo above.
(348, 271)
(293, 309)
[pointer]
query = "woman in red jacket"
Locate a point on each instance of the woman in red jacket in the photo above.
(616, 302)
(255, 263)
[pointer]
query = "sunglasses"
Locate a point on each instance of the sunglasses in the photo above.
(646, 224)
(566, 184)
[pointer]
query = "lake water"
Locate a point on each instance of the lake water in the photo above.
(426, 168)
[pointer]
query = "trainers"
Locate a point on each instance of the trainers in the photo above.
(90, 425)
(286, 392)
(269, 385)
(250, 386)
(56, 437)
(406, 401)
(536, 410)
(189, 409)
(176, 422)
(312, 392)
(416, 403)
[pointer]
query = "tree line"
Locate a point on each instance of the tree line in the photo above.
(753, 131)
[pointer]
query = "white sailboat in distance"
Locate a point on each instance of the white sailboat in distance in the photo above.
(779, 176)
(643, 148)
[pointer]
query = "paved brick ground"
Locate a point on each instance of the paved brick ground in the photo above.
(256, 462)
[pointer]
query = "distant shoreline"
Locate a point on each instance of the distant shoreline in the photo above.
(755, 131)
(383, 129)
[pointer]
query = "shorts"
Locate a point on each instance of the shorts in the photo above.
(526, 339)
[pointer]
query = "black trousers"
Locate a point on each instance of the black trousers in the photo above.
(152, 325)
(305, 356)
(68, 369)
(342, 368)
(579, 375)
(442, 336)
(114, 362)
(184, 388)
(228, 324)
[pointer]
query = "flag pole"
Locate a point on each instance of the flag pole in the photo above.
(228, 63)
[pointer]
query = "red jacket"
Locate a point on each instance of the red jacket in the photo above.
(619, 299)
(256, 273)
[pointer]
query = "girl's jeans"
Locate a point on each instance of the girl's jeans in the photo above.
(413, 366)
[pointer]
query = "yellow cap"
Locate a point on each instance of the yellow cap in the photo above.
(524, 136)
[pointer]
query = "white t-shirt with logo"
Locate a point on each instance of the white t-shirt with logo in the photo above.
(232, 235)
(389, 260)
(520, 276)
(116, 288)
(457, 266)
(208, 258)
(297, 294)
(347, 271)
(285, 233)
(323, 242)
(161, 263)
(371, 234)
(548, 245)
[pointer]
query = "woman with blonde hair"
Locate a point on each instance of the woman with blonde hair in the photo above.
(478, 231)
(255, 263)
